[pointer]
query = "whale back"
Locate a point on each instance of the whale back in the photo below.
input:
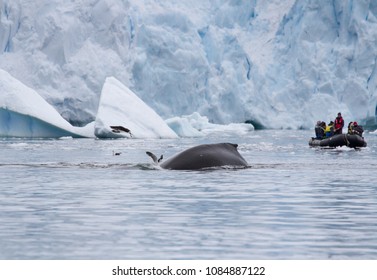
(206, 156)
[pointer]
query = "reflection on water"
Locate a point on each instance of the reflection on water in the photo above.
(72, 199)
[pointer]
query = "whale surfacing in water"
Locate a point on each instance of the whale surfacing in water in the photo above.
(204, 156)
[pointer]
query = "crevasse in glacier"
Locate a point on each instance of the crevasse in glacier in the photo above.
(282, 64)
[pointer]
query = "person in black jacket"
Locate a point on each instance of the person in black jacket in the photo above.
(356, 129)
(320, 130)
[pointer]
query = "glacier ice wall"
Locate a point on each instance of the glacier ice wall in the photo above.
(276, 63)
(326, 54)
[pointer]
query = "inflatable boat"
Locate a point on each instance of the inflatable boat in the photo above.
(349, 140)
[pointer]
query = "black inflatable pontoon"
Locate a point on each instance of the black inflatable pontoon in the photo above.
(349, 140)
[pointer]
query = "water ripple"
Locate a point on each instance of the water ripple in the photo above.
(72, 199)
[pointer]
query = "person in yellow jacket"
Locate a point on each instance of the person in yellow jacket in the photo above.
(329, 130)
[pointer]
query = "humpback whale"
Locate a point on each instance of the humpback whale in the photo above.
(204, 156)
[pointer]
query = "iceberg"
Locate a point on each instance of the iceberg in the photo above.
(195, 125)
(183, 128)
(24, 113)
(121, 113)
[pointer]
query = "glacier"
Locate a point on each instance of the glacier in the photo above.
(276, 64)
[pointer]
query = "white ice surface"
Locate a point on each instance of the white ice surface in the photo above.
(119, 106)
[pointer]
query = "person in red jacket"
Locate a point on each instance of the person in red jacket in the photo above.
(338, 124)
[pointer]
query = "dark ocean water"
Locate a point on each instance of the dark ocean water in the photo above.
(73, 199)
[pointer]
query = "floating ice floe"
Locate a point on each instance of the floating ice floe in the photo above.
(195, 125)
